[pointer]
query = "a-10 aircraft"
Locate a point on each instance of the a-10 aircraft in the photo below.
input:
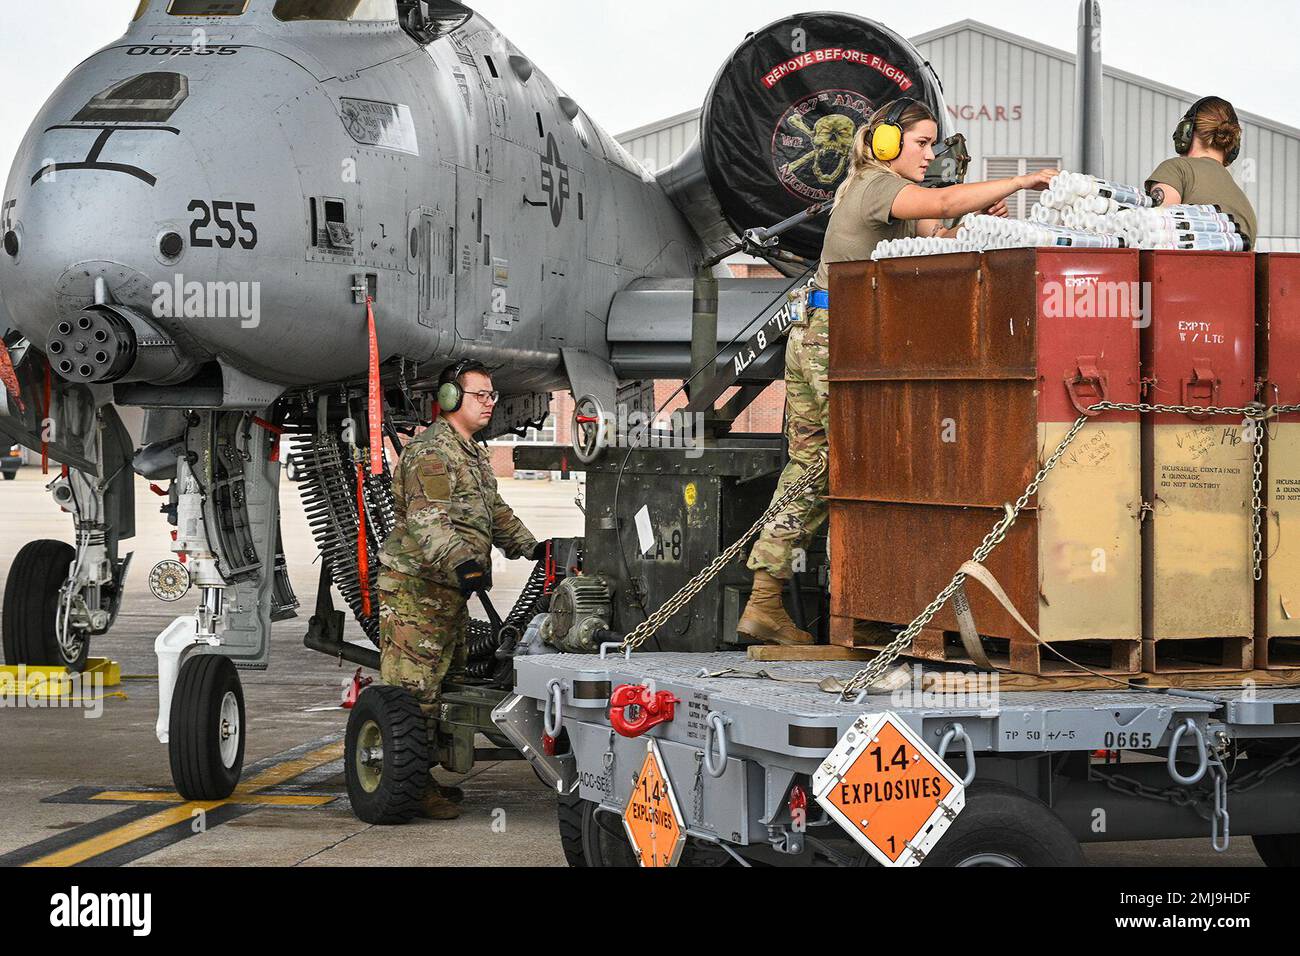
(260, 218)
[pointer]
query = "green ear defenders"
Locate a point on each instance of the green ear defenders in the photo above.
(450, 395)
(887, 137)
(1185, 131)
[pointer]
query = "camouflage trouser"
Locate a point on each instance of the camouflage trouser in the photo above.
(421, 633)
(807, 421)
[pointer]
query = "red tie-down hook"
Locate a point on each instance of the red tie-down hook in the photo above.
(651, 708)
(354, 688)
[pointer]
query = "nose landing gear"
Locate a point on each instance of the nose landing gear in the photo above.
(206, 734)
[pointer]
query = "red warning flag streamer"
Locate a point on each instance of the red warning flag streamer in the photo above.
(363, 556)
(376, 398)
(45, 426)
(9, 377)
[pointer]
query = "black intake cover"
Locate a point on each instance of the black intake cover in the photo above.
(765, 155)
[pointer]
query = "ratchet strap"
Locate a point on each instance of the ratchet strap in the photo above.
(970, 637)
(892, 680)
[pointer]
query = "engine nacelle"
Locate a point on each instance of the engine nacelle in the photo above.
(776, 133)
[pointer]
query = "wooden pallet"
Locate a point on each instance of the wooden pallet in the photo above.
(1199, 654)
(808, 652)
(1121, 656)
(1277, 653)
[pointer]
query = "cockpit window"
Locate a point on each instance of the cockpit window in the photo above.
(349, 10)
(148, 98)
(140, 10)
(207, 8)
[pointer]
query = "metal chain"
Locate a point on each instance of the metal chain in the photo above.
(1183, 796)
(872, 672)
(642, 632)
(1255, 411)
(865, 677)
(1256, 502)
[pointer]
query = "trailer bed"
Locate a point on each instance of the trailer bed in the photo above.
(1065, 747)
(778, 714)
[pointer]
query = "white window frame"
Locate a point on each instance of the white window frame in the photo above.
(1019, 204)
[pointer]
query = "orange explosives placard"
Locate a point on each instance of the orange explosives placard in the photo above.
(888, 789)
(652, 818)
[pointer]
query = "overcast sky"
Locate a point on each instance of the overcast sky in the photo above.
(630, 63)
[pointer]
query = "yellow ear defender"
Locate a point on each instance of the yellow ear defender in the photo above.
(887, 137)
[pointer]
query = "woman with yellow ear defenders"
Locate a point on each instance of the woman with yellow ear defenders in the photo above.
(880, 199)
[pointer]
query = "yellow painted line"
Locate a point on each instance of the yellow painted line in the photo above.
(139, 829)
(252, 799)
(281, 772)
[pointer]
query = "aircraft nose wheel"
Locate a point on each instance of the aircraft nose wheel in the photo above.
(206, 735)
(386, 755)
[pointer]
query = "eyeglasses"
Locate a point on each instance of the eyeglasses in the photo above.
(485, 397)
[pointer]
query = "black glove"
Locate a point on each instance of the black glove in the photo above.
(539, 552)
(473, 577)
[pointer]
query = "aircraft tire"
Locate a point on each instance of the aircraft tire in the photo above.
(386, 755)
(206, 736)
(31, 603)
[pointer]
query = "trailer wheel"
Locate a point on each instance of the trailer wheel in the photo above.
(604, 841)
(596, 838)
(31, 607)
(1278, 849)
(568, 809)
(206, 737)
(386, 755)
(1004, 826)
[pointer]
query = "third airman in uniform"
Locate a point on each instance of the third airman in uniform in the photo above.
(449, 517)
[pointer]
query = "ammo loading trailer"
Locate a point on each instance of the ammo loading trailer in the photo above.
(1206, 741)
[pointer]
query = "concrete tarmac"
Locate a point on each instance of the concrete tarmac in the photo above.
(92, 785)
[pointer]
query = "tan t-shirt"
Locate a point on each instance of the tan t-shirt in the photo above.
(862, 219)
(1206, 180)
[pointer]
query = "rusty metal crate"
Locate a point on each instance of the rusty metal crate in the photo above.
(1277, 354)
(1198, 349)
(951, 378)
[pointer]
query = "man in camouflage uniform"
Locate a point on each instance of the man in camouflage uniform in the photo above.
(449, 516)
(807, 422)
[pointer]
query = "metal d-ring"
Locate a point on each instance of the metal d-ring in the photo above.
(716, 729)
(553, 714)
(1204, 756)
(958, 732)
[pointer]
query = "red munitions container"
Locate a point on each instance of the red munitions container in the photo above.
(952, 379)
(1198, 350)
(1277, 610)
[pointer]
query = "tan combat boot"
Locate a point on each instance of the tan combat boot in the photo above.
(765, 619)
(452, 793)
(436, 806)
